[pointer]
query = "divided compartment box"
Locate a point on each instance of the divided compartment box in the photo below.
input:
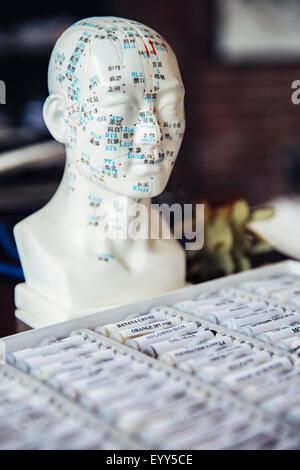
(87, 325)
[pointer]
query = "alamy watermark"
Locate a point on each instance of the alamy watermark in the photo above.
(137, 221)
(2, 92)
(296, 94)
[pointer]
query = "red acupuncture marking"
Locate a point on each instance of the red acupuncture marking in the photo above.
(165, 46)
(152, 45)
(146, 50)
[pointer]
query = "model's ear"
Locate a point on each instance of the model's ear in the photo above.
(54, 116)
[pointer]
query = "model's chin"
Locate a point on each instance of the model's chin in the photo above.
(141, 187)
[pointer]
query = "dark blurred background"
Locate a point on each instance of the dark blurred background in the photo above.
(238, 59)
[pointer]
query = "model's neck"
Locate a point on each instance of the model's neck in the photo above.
(86, 202)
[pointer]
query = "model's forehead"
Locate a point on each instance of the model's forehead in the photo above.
(138, 60)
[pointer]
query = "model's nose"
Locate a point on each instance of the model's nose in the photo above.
(148, 130)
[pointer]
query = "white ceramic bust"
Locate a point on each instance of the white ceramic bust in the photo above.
(116, 102)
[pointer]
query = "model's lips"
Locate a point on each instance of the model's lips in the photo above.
(140, 169)
(146, 166)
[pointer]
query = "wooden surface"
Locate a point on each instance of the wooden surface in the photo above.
(9, 325)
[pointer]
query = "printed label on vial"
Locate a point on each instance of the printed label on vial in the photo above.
(180, 330)
(185, 353)
(136, 321)
(126, 334)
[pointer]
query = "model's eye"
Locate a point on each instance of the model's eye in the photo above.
(120, 107)
(168, 107)
(127, 105)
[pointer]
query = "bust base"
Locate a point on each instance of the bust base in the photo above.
(38, 311)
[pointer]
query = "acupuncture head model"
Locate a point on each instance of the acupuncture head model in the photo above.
(116, 100)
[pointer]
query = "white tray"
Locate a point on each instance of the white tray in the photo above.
(86, 324)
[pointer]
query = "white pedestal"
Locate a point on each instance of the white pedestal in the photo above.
(37, 311)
